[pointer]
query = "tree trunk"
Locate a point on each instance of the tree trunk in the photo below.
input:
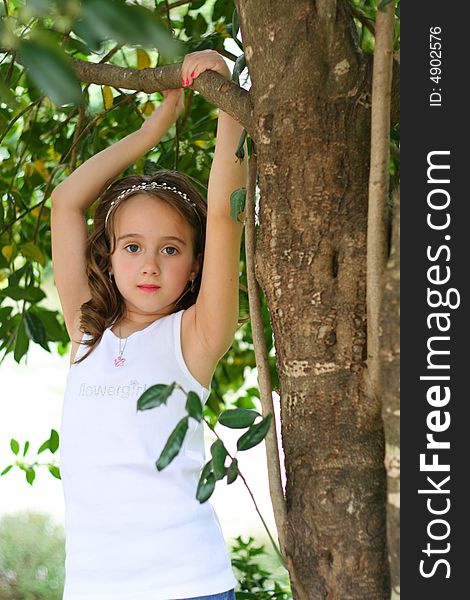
(311, 99)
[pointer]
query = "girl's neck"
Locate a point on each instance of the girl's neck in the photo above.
(126, 326)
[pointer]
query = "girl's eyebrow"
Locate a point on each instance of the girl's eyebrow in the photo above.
(165, 237)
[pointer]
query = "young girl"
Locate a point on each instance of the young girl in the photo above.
(141, 310)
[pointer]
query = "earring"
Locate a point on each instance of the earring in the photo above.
(110, 276)
(192, 286)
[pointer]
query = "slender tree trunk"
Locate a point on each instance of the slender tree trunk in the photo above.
(390, 355)
(311, 99)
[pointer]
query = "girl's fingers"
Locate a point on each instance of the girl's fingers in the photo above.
(189, 72)
(196, 63)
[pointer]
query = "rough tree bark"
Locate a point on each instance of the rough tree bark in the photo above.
(311, 108)
(390, 355)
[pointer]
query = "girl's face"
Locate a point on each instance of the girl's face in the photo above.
(154, 246)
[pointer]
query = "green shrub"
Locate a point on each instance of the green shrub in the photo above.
(32, 555)
(260, 575)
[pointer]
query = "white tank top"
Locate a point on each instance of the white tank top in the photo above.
(133, 532)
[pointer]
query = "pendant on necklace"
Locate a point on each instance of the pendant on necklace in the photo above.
(119, 361)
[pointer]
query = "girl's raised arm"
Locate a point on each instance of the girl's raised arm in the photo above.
(71, 198)
(216, 308)
(82, 187)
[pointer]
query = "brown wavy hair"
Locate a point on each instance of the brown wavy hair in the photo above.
(106, 305)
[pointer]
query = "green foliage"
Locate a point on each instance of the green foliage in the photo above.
(155, 395)
(365, 13)
(50, 444)
(254, 570)
(173, 444)
(32, 555)
(238, 418)
(255, 434)
(50, 69)
(237, 204)
(215, 469)
(194, 406)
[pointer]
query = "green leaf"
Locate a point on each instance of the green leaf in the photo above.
(383, 4)
(115, 20)
(35, 329)
(194, 406)
(5, 471)
(155, 396)
(235, 25)
(233, 28)
(31, 251)
(206, 484)
(195, 4)
(53, 441)
(8, 97)
(15, 277)
(255, 434)
(55, 471)
(238, 418)
(51, 444)
(30, 293)
(207, 469)
(26, 448)
(222, 8)
(237, 204)
(219, 453)
(173, 444)
(15, 447)
(49, 67)
(21, 342)
(240, 64)
(54, 330)
(30, 475)
(194, 27)
(232, 472)
(43, 446)
(240, 152)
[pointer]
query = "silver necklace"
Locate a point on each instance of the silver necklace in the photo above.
(120, 360)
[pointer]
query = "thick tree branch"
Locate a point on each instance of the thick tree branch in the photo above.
(228, 96)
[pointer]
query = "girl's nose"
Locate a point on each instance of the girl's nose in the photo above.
(151, 269)
(151, 266)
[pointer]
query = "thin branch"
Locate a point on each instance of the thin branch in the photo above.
(168, 7)
(276, 549)
(363, 19)
(76, 135)
(262, 363)
(378, 187)
(19, 115)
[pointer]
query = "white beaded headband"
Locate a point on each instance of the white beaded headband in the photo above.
(147, 186)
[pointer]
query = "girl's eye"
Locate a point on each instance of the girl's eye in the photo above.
(167, 248)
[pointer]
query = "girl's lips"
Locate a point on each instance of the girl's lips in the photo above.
(148, 288)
